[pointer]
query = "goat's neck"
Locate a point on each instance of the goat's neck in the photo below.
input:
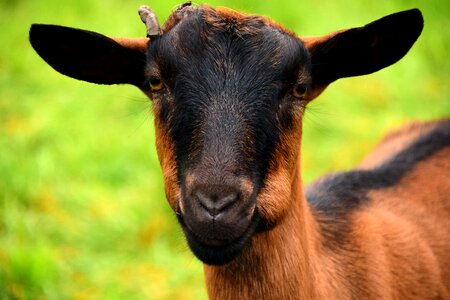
(281, 262)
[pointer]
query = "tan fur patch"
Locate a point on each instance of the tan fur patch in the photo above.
(276, 196)
(139, 44)
(274, 200)
(166, 155)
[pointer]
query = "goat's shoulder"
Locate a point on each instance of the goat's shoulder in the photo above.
(399, 204)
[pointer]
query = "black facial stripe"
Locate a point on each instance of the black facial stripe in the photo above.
(227, 87)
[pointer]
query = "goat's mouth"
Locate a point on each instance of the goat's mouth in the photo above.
(218, 249)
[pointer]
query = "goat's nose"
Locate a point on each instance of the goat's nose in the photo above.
(216, 202)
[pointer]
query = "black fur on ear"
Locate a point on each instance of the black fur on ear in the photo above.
(363, 50)
(88, 56)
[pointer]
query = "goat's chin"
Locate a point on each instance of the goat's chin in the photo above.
(215, 254)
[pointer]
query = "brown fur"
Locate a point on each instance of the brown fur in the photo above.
(274, 200)
(419, 203)
(139, 44)
(166, 156)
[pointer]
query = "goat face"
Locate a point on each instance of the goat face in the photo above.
(229, 91)
(224, 101)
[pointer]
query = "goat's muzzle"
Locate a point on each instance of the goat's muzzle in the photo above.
(218, 218)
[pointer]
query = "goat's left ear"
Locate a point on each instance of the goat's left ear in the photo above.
(363, 50)
(90, 56)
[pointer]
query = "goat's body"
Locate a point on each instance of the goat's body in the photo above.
(412, 217)
(392, 244)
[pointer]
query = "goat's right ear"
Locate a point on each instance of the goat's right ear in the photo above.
(90, 56)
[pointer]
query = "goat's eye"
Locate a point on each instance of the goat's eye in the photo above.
(299, 91)
(156, 84)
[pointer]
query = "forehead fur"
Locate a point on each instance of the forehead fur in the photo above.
(226, 39)
(224, 19)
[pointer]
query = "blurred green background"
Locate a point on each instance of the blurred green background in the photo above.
(82, 208)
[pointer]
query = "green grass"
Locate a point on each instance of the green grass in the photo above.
(82, 207)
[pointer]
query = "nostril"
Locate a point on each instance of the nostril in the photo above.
(215, 203)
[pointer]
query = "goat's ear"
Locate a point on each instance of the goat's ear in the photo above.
(90, 56)
(363, 50)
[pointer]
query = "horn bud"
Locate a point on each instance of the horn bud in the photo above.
(150, 20)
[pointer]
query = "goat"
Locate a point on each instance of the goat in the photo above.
(229, 91)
